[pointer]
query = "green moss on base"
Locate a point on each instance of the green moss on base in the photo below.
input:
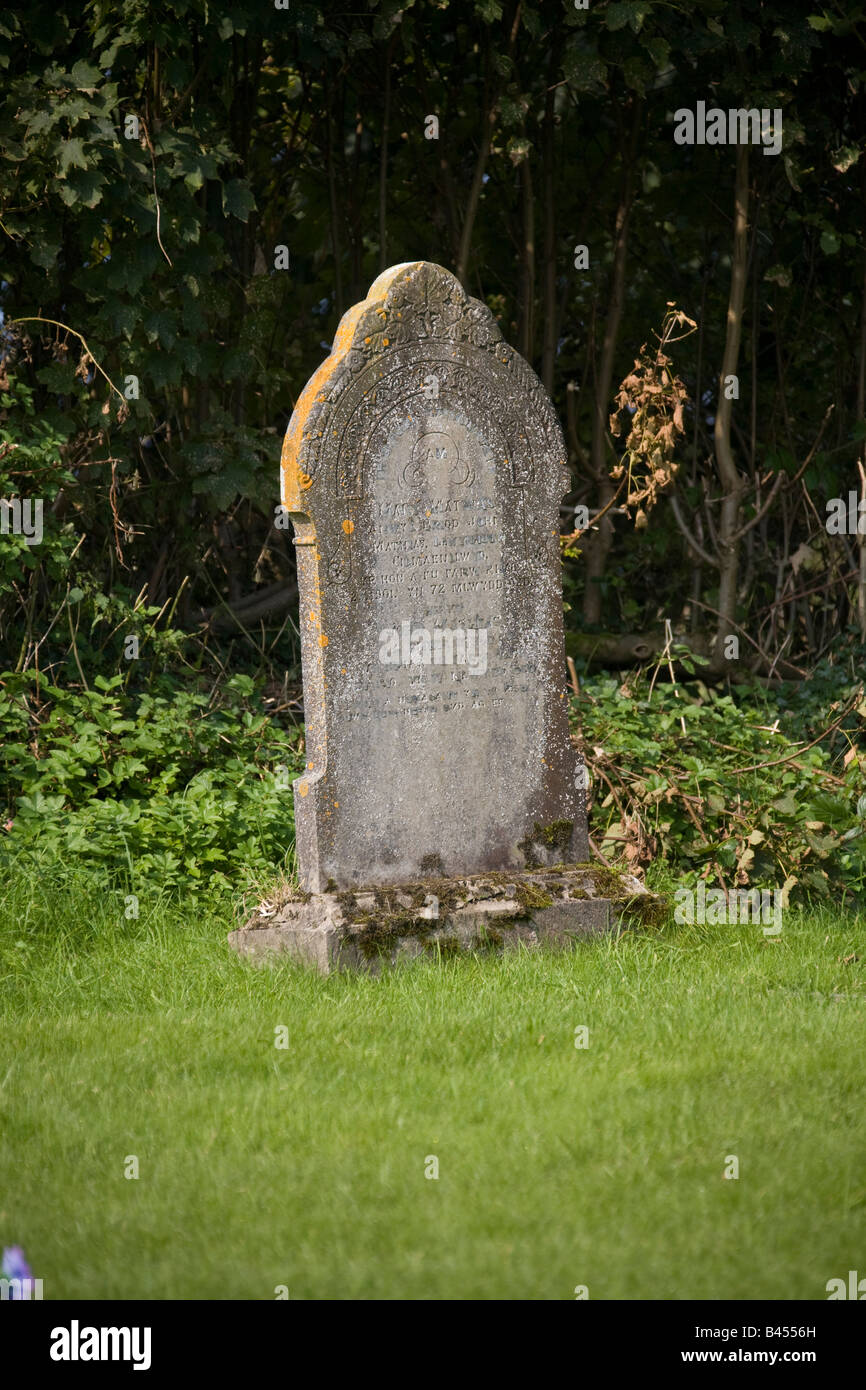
(532, 898)
(378, 929)
(651, 911)
(554, 836)
(393, 912)
(608, 881)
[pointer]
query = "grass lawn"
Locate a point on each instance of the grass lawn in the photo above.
(305, 1166)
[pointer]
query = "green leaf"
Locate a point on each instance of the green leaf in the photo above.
(618, 15)
(83, 186)
(45, 253)
(238, 200)
(72, 155)
(659, 50)
(845, 157)
(83, 75)
(626, 11)
(583, 69)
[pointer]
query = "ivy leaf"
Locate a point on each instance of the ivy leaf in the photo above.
(72, 155)
(83, 186)
(83, 75)
(43, 120)
(238, 201)
(620, 14)
(123, 318)
(45, 253)
(845, 157)
(583, 69)
(659, 50)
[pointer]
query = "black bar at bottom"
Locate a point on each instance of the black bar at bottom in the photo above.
(83, 1339)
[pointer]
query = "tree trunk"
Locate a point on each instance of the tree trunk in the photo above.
(550, 326)
(383, 159)
(861, 415)
(615, 650)
(527, 277)
(332, 200)
(462, 267)
(729, 518)
(598, 548)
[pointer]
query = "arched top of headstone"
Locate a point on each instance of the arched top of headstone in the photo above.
(415, 315)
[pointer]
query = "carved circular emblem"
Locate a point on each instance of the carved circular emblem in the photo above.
(436, 458)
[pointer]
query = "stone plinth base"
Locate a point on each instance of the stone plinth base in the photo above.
(368, 928)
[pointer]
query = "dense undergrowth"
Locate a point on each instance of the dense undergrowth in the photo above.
(175, 777)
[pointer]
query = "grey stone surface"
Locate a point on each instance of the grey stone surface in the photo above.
(375, 927)
(423, 469)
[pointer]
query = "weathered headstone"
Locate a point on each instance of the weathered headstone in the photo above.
(423, 469)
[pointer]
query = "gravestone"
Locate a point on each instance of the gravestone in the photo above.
(423, 469)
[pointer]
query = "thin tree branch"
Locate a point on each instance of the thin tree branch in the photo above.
(698, 549)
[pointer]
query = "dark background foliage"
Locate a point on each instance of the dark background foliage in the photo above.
(305, 128)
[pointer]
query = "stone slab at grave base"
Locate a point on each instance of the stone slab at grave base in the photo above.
(368, 928)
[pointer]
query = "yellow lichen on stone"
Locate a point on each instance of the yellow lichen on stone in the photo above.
(317, 386)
